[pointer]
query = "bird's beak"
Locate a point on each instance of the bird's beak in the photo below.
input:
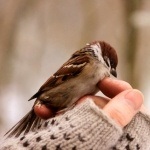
(113, 72)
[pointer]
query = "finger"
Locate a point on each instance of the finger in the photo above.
(42, 111)
(124, 106)
(45, 113)
(111, 87)
(99, 101)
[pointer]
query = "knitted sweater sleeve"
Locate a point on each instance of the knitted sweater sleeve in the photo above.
(136, 134)
(84, 127)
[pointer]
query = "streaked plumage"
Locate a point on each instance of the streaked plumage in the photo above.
(77, 77)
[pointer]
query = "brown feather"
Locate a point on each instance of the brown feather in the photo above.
(63, 74)
(58, 97)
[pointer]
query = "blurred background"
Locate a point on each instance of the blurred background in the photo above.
(37, 37)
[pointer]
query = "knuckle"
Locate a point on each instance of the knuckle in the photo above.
(120, 117)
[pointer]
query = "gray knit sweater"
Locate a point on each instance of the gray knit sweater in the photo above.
(85, 127)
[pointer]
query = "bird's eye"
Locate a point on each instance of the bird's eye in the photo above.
(106, 59)
(107, 63)
(112, 64)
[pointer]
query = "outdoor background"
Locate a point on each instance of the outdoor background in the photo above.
(36, 37)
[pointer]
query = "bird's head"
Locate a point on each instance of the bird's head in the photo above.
(106, 54)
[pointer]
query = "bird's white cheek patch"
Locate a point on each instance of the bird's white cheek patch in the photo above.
(98, 51)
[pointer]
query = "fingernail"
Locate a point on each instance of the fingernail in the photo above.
(134, 98)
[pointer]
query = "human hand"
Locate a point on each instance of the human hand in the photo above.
(123, 102)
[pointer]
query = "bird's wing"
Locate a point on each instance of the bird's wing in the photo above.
(69, 70)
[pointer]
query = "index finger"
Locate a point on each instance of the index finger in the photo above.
(111, 87)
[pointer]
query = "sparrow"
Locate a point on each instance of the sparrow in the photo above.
(75, 78)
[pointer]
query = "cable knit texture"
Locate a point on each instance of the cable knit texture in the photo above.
(85, 127)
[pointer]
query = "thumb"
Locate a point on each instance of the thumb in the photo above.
(124, 106)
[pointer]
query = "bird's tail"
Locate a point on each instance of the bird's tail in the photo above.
(28, 123)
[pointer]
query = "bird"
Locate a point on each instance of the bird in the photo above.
(76, 78)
